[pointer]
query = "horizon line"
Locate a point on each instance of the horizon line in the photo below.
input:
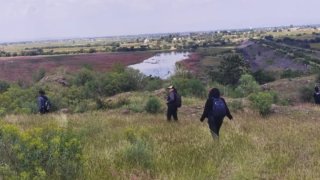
(148, 34)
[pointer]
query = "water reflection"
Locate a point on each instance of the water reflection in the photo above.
(161, 65)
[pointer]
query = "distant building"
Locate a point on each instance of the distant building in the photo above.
(146, 41)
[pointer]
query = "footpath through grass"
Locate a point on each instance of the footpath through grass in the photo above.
(143, 146)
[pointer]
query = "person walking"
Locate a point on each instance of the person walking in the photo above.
(172, 104)
(215, 110)
(43, 103)
(316, 95)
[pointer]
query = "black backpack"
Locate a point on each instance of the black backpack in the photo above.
(317, 97)
(46, 104)
(178, 100)
(219, 108)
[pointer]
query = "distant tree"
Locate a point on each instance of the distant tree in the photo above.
(92, 50)
(270, 38)
(231, 69)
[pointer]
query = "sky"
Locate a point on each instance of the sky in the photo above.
(53, 19)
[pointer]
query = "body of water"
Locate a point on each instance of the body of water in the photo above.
(162, 65)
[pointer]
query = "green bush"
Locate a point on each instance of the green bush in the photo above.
(50, 153)
(37, 76)
(153, 84)
(153, 105)
(291, 73)
(235, 105)
(4, 86)
(262, 101)
(17, 100)
(263, 77)
(247, 85)
(83, 76)
(189, 87)
(138, 153)
(306, 93)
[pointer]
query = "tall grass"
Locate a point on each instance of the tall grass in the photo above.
(144, 146)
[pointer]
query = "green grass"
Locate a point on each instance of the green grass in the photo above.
(315, 46)
(142, 146)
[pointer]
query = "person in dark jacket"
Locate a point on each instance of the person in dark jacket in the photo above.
(171, 103)
(316, 95)
(214, 120)
(43, 102)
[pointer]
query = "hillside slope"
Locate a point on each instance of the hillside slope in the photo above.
(281, 146)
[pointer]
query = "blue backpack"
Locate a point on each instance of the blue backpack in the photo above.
(219, 108)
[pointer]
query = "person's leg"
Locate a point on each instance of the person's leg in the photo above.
(169, 113)
(218, 123)
(175, 113)
(215, 125)
(213, 128)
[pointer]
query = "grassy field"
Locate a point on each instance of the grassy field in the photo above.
(120, 145)
(315, 46)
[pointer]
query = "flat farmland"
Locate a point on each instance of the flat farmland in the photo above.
(22, 68)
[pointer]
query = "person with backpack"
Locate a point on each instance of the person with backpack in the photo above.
(215, 110)
(173, 103)
(316, 95)
(43, 103)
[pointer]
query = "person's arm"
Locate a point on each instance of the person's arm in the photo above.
(228, 111)
(206, 110)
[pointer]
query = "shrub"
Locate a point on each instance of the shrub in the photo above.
(153, 84)
(50, 153)
(306, 93)
(117, 102)
(83, 76)
(291, 73)
(4, 86)
(262, 101)
(189, 87)
(17, 100)
(153, 105)
(247, 85)
(235, 105)
(37, 76)
(263, 77)
(139, 152)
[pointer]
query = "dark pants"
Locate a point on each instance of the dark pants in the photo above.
(172, 111)
(215, 125)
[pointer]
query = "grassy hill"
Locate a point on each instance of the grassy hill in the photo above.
(100, 127)
(128, 145)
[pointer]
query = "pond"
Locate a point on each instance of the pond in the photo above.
(162, 65)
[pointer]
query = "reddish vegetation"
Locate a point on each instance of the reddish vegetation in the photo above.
(22, 68)
(192, 63)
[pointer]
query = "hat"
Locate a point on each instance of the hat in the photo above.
(170, 87)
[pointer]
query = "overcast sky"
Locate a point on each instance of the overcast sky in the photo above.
(43, 19)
